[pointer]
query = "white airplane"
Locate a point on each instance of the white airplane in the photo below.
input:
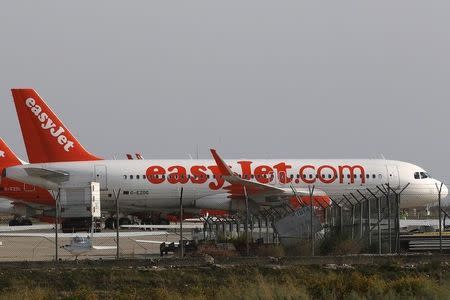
(57, 160)
(80, 245)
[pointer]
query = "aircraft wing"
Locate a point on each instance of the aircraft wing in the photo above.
(156, 242)
(22, 228)
(259, 192)
(104, 247)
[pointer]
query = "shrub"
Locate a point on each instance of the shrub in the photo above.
(339, 244)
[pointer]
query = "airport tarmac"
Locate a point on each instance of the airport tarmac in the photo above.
(33, 248)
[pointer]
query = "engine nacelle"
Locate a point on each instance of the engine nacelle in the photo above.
(223, 202)
(8, 207)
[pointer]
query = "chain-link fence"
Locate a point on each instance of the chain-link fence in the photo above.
(376, 220)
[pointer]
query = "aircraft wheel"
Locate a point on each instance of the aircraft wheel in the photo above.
(13, 222)
(110, 223)
(26, 222)
(124, 221)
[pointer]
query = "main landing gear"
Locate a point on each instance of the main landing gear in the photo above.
(20, 221)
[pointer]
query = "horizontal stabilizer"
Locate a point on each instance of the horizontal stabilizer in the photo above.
(54, 176)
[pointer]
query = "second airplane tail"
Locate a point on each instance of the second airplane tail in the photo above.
(46, 138)
(7, 157)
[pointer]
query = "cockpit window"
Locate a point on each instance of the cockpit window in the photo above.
(424, 175)
(421, 175)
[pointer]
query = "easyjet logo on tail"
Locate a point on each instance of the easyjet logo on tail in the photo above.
(48, 124)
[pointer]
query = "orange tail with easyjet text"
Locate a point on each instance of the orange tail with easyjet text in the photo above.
(46, 138)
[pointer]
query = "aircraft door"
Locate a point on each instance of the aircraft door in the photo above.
(28, 187)
(393, 176)
(100, 176)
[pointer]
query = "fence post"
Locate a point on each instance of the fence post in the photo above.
(116, 196)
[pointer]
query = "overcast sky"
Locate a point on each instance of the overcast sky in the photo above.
(287, 79)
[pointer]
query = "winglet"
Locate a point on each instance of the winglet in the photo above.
(223, 167)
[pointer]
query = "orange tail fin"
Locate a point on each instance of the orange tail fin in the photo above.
(45, 136)
(7, 157)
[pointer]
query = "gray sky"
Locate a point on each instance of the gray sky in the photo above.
(316, 79)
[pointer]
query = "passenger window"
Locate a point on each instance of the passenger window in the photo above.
(131, 176)
(367, 176)
(144, 177)
(124, 176)
(374, 176)
(138, 177)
